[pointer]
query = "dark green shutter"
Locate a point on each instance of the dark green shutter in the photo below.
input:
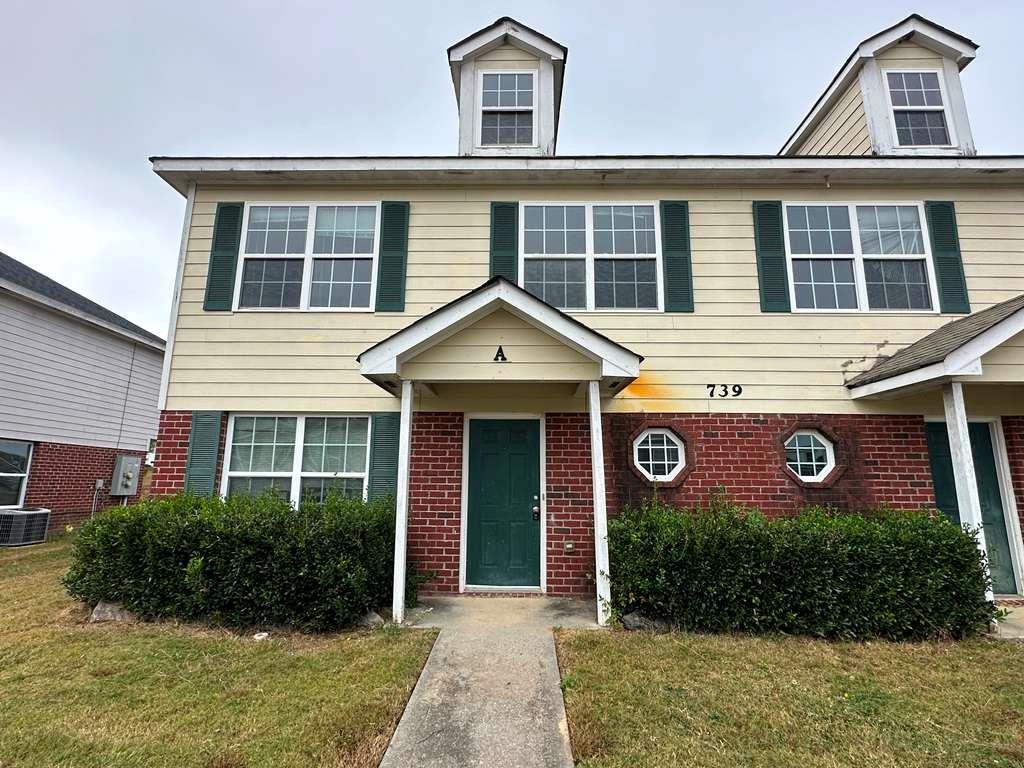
(675, 255)
(203, 446)
(384, 455)
(772, 275)
(394, 250)
(949, 266)
(505, 240)
(220, 277)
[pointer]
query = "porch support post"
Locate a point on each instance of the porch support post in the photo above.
(601, 570)
(402, 503)
(967, 498)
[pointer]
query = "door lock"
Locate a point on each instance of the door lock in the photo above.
(536, 513)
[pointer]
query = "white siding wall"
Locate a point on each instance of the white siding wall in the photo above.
(64, 381)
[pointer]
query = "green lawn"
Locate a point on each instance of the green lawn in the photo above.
(162, 694)
(636, 699)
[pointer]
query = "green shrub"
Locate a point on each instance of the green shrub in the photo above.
(888, 574)
(242, 561)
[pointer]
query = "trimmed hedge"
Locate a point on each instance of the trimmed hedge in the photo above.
(885, 574)
(242, 561)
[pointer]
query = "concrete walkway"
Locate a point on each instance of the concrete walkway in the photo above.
(1012, 627)
(489, 694)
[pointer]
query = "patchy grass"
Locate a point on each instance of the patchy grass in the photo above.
(76, 695)
(635, 699)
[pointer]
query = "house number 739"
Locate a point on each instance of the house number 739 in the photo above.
(724, 390)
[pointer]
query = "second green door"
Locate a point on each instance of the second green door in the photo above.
(503, 503)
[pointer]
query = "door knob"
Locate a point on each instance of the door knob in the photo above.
(536, 513)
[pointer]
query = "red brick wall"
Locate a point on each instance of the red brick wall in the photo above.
(883, 459)
(1013, 428)
(172, 452)
(435, 494)
(63, 478)
(570, 510)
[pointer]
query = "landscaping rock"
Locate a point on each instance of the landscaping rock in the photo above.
(109, 612)
(371, 619)
(638, 622)
(260, 636)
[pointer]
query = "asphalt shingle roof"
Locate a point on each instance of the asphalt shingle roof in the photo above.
(934, 347)
(20, 274)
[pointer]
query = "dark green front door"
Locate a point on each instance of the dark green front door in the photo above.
(503, 530)
(992, 514)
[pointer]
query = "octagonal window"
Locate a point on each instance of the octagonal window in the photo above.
(659, 454)
(810, 455)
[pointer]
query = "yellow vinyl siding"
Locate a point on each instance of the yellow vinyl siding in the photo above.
(909, 56)
(1005, 363)
(294, 361)
(843, 130)
(507, 57)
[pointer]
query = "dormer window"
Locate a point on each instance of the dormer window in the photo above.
(918, 108)
(506, 104)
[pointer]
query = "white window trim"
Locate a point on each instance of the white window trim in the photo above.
(25, 474)
(860, 281)
(478, 118)
(590, 256)
(671, 436)
(296, 474)
(950, 126)
(830, 456)
(307, 255)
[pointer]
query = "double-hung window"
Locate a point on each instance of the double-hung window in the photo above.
(15, 457)
(859, 257)
(313, 256)
(918, 108)
(507, 108)
(591, 256)
(302, 458)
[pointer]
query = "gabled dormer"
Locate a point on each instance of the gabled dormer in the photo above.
(898, 93)
(508, 86)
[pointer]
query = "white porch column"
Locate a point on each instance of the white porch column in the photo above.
(402, 503)
(601, 570)
(963, 463)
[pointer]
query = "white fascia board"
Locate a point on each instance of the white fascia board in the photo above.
(985, 342)
(597, 163)
(492, 37)
(386, 358)
(77, 314)
(937, 373)
(923, 34)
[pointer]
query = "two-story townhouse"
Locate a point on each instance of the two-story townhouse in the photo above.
(516, 343)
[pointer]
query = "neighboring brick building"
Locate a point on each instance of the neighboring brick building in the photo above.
(78, 387)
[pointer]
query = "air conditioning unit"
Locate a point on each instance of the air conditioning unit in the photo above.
(19, 527)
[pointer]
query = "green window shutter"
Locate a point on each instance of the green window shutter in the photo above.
(203, 446)
(505, 241)
(394, 251)
(675, 255)
(949, 266)
(383, 479)
(772, 275)
(220, 277)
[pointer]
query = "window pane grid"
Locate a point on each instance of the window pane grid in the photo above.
(559, 282)
(921, 128)
(507, 128)
(625, 284)
(263, 444)
(914, 89)
(807, 455)
(14, 462)
(277, 229)
(658, 454)
(507, 90)
(271, 283)
(335, 445)
(344, 229)
(341, 283)
(624, 229)
(874, 235)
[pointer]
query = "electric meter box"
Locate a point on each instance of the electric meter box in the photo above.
(126, 475)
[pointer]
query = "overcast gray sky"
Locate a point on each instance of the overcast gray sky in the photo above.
(93, 89)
